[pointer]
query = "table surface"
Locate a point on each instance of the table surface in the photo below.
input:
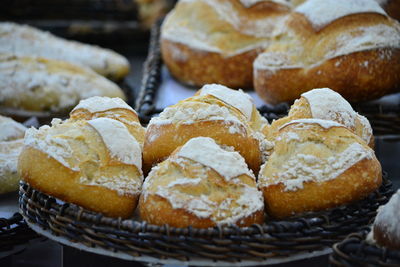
(51, 254)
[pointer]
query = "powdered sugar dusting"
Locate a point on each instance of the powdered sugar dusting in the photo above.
(323, 12)
(102, 103)
(235, 98)
(120, 143)
(301, 168)
(10, 129)
(388, 218)
(303, 122)
(205, 151)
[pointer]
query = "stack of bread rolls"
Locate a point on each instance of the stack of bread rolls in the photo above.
(285, 48)
(40, 72)
(211, 159)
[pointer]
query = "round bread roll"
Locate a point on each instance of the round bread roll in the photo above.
(325, 104)
(113, 108)
(201, 185)
(209, 116)
(26, 41)
(386, 228)
(238, 99)
(11, 144)
(316, 165)
(92, 163)
(352, 48)
(216, 41)
(38, 84)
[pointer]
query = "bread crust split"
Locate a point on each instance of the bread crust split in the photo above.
(51, 177)
(317, 165)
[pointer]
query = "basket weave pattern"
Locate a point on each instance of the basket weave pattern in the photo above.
(313, 231)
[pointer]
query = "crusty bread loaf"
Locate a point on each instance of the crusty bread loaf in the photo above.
(11, 143)
(317, 164)
(216, 41)
(201, 185)
(92, 163)
(37, 84)
(210, 116)
(113, 108)
(325, 104)
(352, 47)
(26, 41)
(386, 227)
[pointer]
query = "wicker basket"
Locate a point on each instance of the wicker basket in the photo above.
(384, 119)
(72, 225)
(355, 251)
(14, 234)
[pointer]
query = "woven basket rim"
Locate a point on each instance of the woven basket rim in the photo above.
(355, 247)
(293, 224)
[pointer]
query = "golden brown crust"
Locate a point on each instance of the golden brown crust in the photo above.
(171, 136)
(384, 239)
(51, 177)
(352, 80)
(354, 184)
(196, 67)
(159, 211)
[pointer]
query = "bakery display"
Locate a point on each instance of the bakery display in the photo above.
(216, 41)
(386, 227)
(201, 185)
(26, 41)
(325, 104)
(352, 48)
(31, 84)
(94, 163)
(209, 116)
(11, 143)
(317, 164)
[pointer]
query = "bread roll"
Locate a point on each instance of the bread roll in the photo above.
(113, 108)
(201, 185)
(316, 165)
(352, 48)
(38, 84)
(11, 143)
(325, 104)
(386, 228)
(26, 41)
(92, 163)
(216, 41)
(209, 116)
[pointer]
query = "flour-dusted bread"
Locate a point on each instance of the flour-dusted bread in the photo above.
(95, 163)
(11, 143)
(386, 227)
(201, 185)
(352, 47)
(26, 41)
(317, 164)
(216, 41)
(225, 115)
(113, 108)
(45, 85)
(325, 104)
